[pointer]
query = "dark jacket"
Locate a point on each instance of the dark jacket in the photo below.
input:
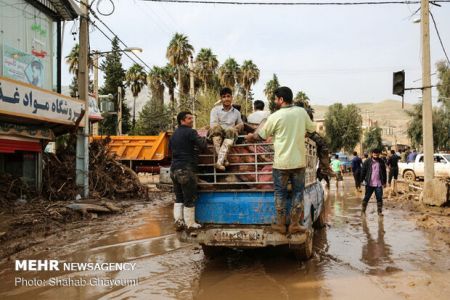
(185, 145)
(392, 161)
(366, 172)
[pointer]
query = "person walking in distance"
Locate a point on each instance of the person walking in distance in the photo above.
(392, 164)
(185, 145)
(374, 174)
(356, 170)
(287, 126)
(336, 166)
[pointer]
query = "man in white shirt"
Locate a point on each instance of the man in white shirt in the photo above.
(225, 124)
(259, 114)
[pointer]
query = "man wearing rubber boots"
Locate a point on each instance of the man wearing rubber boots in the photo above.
(225, 124)
(374, 174)
(185, 145)
(288, 126)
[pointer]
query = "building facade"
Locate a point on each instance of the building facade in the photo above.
(32, 110)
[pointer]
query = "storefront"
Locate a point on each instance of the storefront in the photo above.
(32, 110)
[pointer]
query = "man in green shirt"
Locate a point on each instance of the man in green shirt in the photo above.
(336, 166)
(288, 127)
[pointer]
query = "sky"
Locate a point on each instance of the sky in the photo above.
(333, 54)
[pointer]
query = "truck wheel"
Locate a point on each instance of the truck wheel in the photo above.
(212, 251)
(409, 175)
(321, 220)
(305, 251)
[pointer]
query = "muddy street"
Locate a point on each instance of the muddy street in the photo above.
(388, 259)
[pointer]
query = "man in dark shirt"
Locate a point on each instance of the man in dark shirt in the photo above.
(356, 170)
(185, 145)
(392, 163)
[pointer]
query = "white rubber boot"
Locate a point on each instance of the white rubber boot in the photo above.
(224, 149)
(189, 218)
(178, 216)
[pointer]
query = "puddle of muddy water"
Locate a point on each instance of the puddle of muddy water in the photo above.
(353, 259)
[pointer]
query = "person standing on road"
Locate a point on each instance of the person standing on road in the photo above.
(225, 124)
(185, 145)
(288, 126)
(392, 164)
(412, 156)
(356, 170)
(336, 166)
(374, 174)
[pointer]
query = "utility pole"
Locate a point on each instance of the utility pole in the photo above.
(82, 159)
(95, 58)
(119, 111)
(427, 122)
(192, 88)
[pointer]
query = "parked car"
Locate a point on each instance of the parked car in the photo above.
(413, 170)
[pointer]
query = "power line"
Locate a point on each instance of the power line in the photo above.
(112, 32)
(110, 39)
(439, 37)
(293, 3)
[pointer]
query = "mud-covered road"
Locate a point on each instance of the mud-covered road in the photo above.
(391, 259)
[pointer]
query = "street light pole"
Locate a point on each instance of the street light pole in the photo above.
(95, 59)
(192, 89)
(82, 159)
(427, 122)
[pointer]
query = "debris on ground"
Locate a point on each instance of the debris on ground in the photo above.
(107, 176)
(435, 219)
(13, 190)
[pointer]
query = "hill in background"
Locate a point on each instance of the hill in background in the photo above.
(388, 113)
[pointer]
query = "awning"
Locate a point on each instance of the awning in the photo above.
(11, 146)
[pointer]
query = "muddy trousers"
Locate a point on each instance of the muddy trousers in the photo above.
(378, 195)
(184, 186)
(280, 181)
(357, 177)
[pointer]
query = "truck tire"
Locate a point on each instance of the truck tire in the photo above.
(409, 175)
(321, 220)
(211, 251)
(305, 251)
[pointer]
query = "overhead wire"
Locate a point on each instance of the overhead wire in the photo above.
(93, 13)
(336, 3)
(439, 37)
(120, 40)
(110, 39)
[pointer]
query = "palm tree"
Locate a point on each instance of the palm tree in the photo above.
(155, 81)
(269, 90)
(178, 53)
(206, 64)
(229, 73)
(136, 79)
(302, 98)
(168, 78)
(250, 75)
(73, 59)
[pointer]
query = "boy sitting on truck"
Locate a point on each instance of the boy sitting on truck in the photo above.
(225, 124)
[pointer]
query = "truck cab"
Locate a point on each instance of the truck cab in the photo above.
(236, 208)
(413, 170)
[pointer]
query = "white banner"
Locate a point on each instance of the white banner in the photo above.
(24, 100)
